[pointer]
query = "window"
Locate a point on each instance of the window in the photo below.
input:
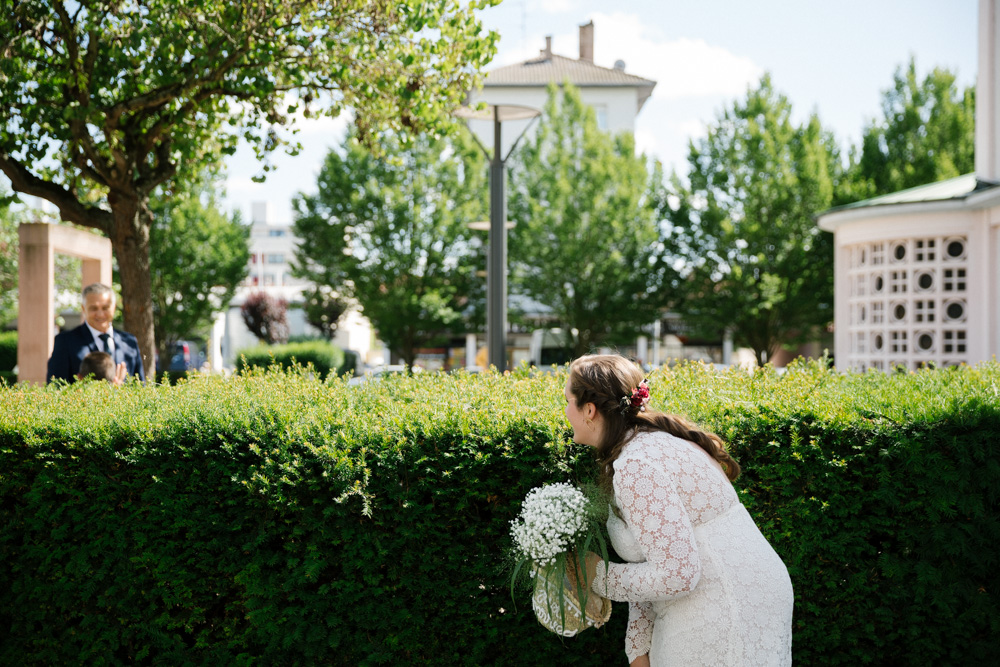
(954, 310)
(924, 281)
(275, 258)
(277, 232)
(601, 112)
(925, 250)
(878, 253)
(954, 341)
(954, 249)
(954, 280)
(898, 341)
(897, 282)
(923, 311)
(878, 312)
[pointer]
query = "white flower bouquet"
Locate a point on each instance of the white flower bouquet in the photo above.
(557, 526)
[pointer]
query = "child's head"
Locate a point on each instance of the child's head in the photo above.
(98, 364)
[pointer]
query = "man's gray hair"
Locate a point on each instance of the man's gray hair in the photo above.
(99, 288)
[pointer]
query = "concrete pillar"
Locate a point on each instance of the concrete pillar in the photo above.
(727, 347)
(988, 93)
(657, 337)
(470, 350)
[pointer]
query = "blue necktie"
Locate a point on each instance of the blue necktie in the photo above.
(104, 339)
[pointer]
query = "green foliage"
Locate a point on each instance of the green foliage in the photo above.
(102, 103)
(391, 233)
(323, 309)
(8, 262)
(275, 519)
(755, 261)
(8, 350)
(587, 243)
(324, 357)
(926, 134)
(201, 256)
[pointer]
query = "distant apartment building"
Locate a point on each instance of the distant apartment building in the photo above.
(272, 251)
(272, 247)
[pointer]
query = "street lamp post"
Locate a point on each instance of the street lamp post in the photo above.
(496, 264)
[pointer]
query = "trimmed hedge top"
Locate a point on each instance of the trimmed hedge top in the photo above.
(272, 518)
(430, 403)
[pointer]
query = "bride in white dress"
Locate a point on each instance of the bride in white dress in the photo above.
(703, 585)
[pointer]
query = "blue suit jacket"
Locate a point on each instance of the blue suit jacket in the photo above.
(72, 346)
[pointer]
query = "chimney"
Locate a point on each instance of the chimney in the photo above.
(587, 42)
(547, 51)
(988, 93)
(260, 212)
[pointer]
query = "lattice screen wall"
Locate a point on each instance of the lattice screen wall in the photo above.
(909, 303)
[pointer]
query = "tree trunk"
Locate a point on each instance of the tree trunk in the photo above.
(130, 240)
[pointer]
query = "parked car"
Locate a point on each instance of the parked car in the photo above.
(185, 355)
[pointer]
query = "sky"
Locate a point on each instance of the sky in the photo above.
(830, 58)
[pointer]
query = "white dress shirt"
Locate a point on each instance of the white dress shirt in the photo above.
(97, 339)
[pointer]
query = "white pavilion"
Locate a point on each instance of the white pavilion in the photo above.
(917, 272)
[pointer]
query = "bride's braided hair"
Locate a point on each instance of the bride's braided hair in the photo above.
(604, 379)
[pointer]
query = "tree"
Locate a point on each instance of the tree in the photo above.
(390, 232)
(755, 262)
(266, 317)
(323, 309)
(103, 102)
(926, 134)
(8, 262)
(201, 257)
(587, 241)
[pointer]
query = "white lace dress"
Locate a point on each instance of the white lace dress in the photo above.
(704, 587)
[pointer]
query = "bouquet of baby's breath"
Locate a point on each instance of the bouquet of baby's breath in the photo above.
(557, 526)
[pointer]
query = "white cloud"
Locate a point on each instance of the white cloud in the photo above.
(681, 68)
(646, 142)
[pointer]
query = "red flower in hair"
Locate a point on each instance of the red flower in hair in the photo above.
(638, 399)
(640, 396)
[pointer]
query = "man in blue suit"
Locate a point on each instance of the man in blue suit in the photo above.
(95, 335)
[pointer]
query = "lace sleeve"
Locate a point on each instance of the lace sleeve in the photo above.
(656, 516)
(639, 635)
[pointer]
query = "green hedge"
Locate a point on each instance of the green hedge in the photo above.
(323, 356)
(8, 350)
(275, 519)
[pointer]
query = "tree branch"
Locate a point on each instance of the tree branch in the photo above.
(70, 208)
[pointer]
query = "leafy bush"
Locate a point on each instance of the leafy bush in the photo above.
(266, 317)
(8, 350)
(324, 357)
(275, 519)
